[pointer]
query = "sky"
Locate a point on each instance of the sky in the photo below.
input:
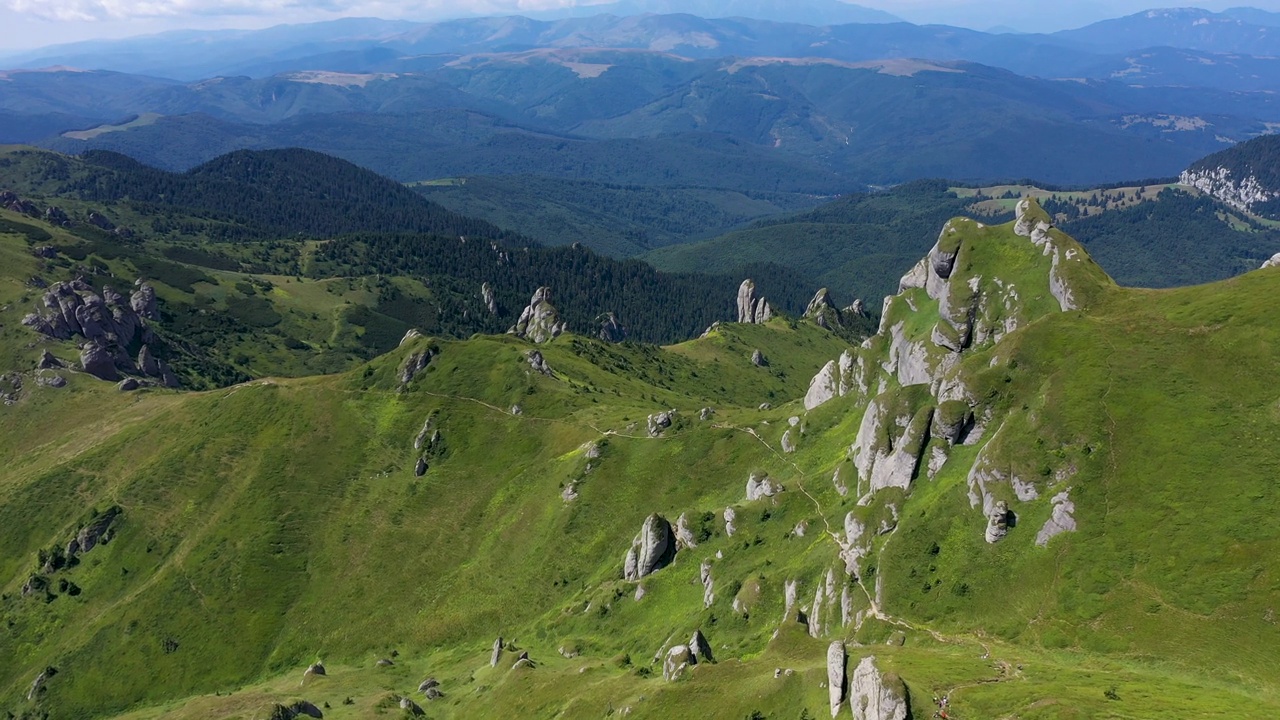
(27, 24)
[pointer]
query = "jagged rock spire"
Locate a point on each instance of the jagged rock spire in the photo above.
(752, 309)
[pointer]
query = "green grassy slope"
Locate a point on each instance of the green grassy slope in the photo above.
(276, 523)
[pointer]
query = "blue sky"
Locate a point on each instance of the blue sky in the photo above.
(34, 23)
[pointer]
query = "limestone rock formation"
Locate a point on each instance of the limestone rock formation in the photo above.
(409, 337)
(699, 648)
(610, 329)
(47, 361)
(1062, 520)
(488, 298)
(824, 387)
(539, 322)
(890, 443)
(836, 660)
(497, 652)
(678, 658)
(143, 301)
(730, 521)
(875, 696)
(1242, 193)
(758, 359)
(708, 584)
(1273, 262)
(97, 361)
(415, 363)
(684, 536)
(659, 422)
(998, 522)
(788, 441)
(752, 309)
(538, 363)
(760, 486)
(653, 549)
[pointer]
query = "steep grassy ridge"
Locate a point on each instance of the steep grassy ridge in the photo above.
(280, 522)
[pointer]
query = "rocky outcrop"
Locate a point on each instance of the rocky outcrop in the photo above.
(489, 299)
(96, 360)
(758, 359)
(699, 648)
(752, 309)
(890, 443)
(653, 549)
(153, 367)
(538, 363)
(539, 322)
(761, 486)
(414, 363)
(684, 536)
(708, 584)
(658, 423)
(998, 522)
(496, 655)
(789, 441)
(1062, 520)
(1242, 192)
(824, 607)
(410, 707)
(836, 660)
(877, 697)
(143, 301)
(824, 387)
(610, 329)
(1273, 262)
(47, 361)
(678, 659)
(38, 684)
(730, 521)
(313, 670)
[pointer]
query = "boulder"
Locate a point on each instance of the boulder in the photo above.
(659, 422)
(410, 707)
(415, 363)
(875, 696)
(836, 661)
(314, 670)
(100, 221)
(706, 413)
(760, 486)
(788, 442)
(421, 467)
(708, 584)
(758, 359)
(539, 322)
(428, 684)
(384, 662)
(96, 360)
(143, 302)
(51, 381)
(678, 658)
(699, 648)
(129, 385)
(730, 521)
(653, 549)
(47, 361)
(1273, 262)
(433, 693)
(998, 522)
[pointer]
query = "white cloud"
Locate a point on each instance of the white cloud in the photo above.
(90, 10)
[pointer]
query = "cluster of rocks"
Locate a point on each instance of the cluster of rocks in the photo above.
(431, 444)
(416, 361)
(659, 423)
(904, 433)
(681, 657)
(539, 322)
(97, 531)
(538, 363)
(109, 324)
(522, 660)
(761, 486)
(430, 689)
(54, 215)
(752, 309)
(297, 709)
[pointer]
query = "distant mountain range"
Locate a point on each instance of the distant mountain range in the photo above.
(749, 28)
(651, 118)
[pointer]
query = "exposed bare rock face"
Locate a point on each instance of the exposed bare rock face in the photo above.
(610, 329)
(699, 648)
(660, 422)
(875, 696)
(836, 676)
(97, 361)
(414, 363)
(496, 655)
(539, 322)
(1273, 262)
(538, 363)
(653, 549)
(761, 486)
(752, 309)
(678, 659)
(489, 299)
(1062, 520)
(998, 522)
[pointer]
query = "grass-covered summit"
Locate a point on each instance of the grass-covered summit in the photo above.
(1032, 493)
